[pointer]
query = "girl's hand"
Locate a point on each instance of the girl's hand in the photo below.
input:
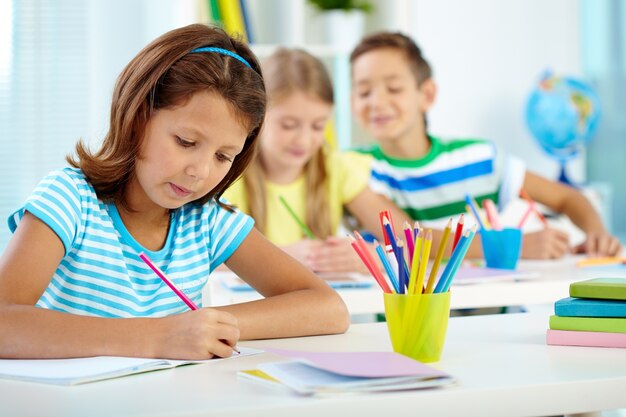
(195, 335)
(336, 254)
(545, 244)
(302, 250)
(599, 244)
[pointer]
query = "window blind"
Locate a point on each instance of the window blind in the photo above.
(43, 105)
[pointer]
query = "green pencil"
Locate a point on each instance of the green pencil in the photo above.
(305, 229)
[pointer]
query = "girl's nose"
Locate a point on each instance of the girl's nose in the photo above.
(199, 169)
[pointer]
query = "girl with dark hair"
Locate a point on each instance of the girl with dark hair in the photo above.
(185, 117)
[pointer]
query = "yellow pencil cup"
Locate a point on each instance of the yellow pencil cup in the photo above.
(417, 324)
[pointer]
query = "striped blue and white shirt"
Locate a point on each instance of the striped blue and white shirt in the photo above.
(433, 187)
(101, 273)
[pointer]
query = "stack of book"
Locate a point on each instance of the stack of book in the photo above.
(593, 315)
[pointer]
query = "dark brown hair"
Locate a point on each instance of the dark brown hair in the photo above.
(166, 74)
(289, 71)
(419, 66)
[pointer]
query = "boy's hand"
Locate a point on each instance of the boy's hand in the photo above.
(545, 244)
(599, 244)
(196, 335)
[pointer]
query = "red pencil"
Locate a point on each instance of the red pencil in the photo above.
(361, 249)
(381, 215)
(458, 232)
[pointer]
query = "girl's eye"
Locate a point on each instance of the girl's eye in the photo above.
(364, 93)
(184, 143)
(223, 158)
(395, 89)
(288, 125)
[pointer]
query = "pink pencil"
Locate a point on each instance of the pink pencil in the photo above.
(408, 234)
(166, 280)
(492, 214)
(172, 286)
(525, 216)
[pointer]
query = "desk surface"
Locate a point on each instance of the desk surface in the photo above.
(502, 362)
(550, 284)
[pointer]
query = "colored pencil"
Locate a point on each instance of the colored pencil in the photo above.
(532, 202)
(293, 214)
(428, 240)
(416, 263)
(360, 248)
(459, 261)
(172, 286)
(408, 237)
(169, 283)
(437, 262)
(525, 216)
(605, 260)
(492, 214)
(384, 214)
(458, 232)
(393, 277)
(475, 210)
(416, 229)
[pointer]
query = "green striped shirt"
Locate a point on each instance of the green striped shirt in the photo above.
(434, 186)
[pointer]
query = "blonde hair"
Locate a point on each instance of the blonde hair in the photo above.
(286, 72)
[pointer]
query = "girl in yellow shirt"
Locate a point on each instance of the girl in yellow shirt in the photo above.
(294, 162)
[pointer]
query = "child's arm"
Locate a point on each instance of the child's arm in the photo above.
(366, 206)
(572, 203)
(26, 268)
(298, 303)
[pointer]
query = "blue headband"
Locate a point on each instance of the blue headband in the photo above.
(223, 52)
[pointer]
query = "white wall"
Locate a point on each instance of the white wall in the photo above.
(486, 56)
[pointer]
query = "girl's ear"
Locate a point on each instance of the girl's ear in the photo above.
(428, 91)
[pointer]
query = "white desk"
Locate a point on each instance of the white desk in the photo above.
(551, 284)
(502, 362)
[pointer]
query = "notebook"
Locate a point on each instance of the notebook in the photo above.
(82, 370)
(606, 288)
(589, 307)
(337, 281)
(594, 339)
(319, 373)
(589, 324)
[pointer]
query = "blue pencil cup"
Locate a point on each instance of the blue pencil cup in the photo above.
(501, 248)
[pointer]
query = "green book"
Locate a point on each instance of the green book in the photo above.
(605, 288)
(588, 324)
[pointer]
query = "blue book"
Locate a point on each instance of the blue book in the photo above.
(589, 307)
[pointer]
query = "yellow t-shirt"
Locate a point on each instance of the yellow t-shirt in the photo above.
(348, 175)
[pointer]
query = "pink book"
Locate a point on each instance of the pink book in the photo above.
(576, 338)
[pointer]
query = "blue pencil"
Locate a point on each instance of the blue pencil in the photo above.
(458, 263)
(470, 202)
(390, 272)
(450, 265)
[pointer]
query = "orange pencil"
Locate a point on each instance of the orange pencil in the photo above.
(361, 249)
(533, 204)
(435, 268)
(606, 260)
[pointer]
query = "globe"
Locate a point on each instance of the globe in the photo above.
(562, 113)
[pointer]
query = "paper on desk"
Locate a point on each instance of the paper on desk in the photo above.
(306, 379)
(74, 371)
(476, 275)
(363, 364)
